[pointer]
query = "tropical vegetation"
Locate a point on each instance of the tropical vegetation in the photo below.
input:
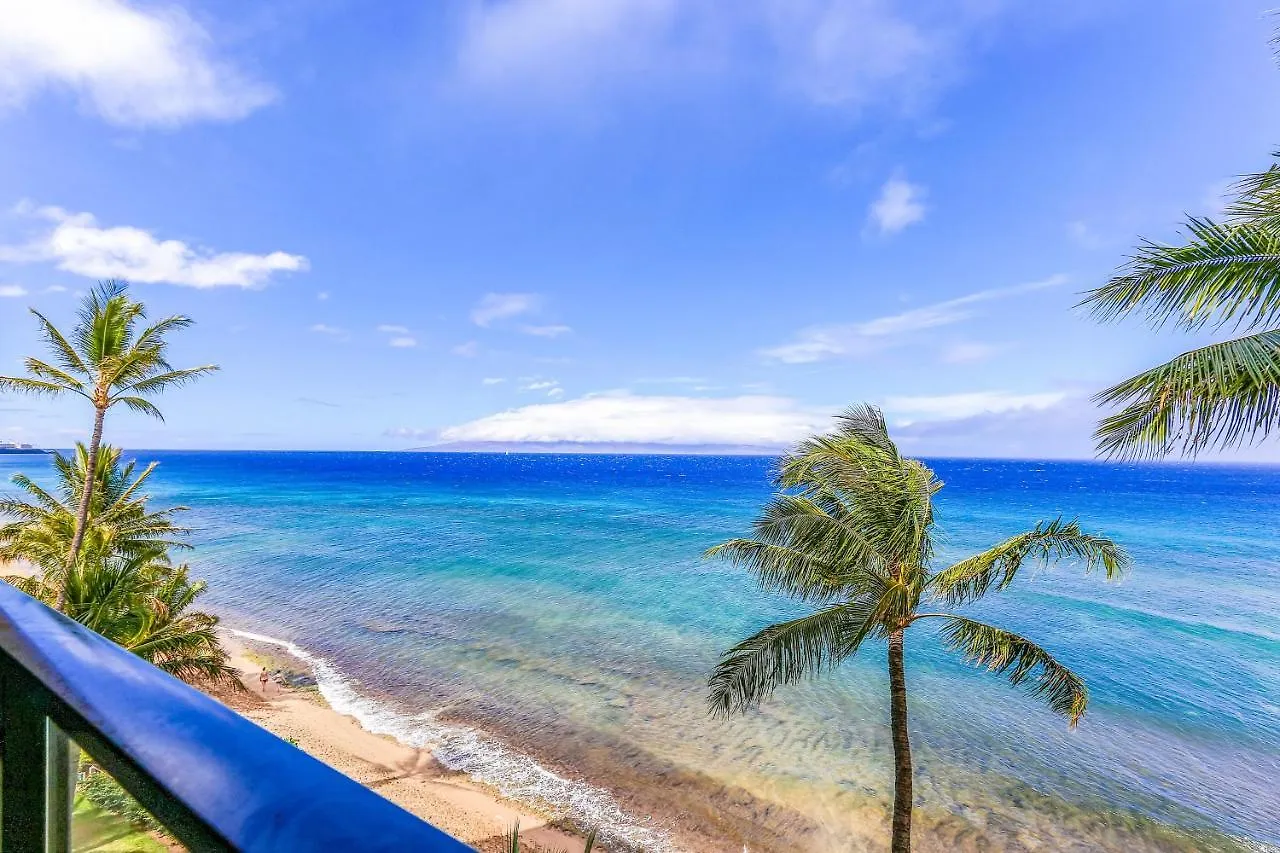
(108, 361)
(40, 528)
(851, 531)
(101, 553)
(1225, 275)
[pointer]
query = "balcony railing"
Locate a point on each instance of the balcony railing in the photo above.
(215, 780)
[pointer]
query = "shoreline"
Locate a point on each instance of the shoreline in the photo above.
(407, 775)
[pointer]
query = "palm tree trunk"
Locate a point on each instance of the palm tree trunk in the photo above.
(82, 514)
(901, 746)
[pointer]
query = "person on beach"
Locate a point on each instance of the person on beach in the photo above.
(263, 679)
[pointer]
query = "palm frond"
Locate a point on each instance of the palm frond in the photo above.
(27, 385)
(48, 373)
(1221, 395)
(1226, 273)
(168, 379)
(1258, 198)
(153, 335)
(140, 405)
(62, 349)
(784, 653)
(1047, 543)
(1020, 660)
(784, 569)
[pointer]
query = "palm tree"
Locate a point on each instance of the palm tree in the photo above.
(118, 522)
(852, 532)
(144, 605)
(1225, 275)
(109, 362)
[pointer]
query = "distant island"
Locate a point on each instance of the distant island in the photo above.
(598, 447)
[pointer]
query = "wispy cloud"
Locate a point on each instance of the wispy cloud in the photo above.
(12, 291)
(322, 296)
(818, 343)
(468, 350)
(393, 330)
(948, 407)
(492, 380)
(502, 306)
(133, 66)
(900, 203)
(844, 54)
(403, 342)
(312, 401)
(330, 331)
(622, 417)
(551, 386)
(77, 244)
(546, 331)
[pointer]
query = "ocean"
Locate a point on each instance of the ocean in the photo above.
(547, 623)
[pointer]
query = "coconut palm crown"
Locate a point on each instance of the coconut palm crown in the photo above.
(40, 528)
(109, 361)
(852, 533)
(144, 605)
(1225, 275)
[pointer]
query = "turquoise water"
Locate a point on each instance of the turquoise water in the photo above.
(506, 608)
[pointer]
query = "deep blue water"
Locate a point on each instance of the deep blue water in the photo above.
(511, 590)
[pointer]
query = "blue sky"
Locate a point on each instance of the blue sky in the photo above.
(671, 221)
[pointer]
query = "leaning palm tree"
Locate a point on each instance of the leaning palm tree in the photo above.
(1224, 275)
(40, 528)
(143, 604)
(108, 361)
(852, 532)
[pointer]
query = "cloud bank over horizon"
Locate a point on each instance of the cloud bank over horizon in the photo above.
(924, 424)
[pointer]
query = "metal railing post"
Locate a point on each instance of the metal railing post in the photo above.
(23, 762)
(62, 758)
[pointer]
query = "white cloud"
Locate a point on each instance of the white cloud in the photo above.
(622, 417)
(393, 330)
(323, 296)
(949, 407)
(468, 350)
(12, 291)
(556, 392)
(546, 331)
(331, 331)
(818, 343)
(78, 245)
(492, 380)
(403, 342)
(841, 53)
(901, 203)
(134, 67)
(969, 352)
(501, 306)
(55, 288)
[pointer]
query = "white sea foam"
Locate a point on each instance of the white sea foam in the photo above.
(465, 749)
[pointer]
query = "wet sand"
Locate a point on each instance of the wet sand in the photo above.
(407, 776)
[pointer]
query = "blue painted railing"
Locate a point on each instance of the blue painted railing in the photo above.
(214, 779)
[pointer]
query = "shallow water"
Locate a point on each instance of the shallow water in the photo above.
(560, 604)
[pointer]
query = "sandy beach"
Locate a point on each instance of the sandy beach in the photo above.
(410, 777)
